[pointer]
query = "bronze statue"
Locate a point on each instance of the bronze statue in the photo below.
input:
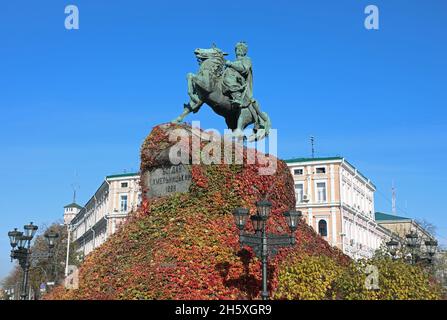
(227, 87)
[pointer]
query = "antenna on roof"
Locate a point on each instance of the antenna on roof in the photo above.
(75, 187)
(312, 144)
(393, 198)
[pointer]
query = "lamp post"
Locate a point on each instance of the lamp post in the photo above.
(22, 240)
(392, 247)
(413, 243)
(431, 246)
(263, 244)
(51, 237)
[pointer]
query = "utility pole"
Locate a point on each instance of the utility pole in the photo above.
(68, 249)
(393, 198)
(75, 186)
(312, 144)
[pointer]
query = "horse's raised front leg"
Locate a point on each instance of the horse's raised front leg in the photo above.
(187, 109)
(194, 104)
(191, 91)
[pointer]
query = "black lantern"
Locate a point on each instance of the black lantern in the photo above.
(412, 240)
(51, 237)
(21, 241)
(392, 246)
(258, 222)
(431, 246)
(293, 217)
(240, 217)
(30, 230)
(13, 237)
(264, 207)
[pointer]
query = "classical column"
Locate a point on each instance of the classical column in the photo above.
(332, 177)
(309, 184)
(310, 217)
(334, 226)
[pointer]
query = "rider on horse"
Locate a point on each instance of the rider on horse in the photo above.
(238, 82)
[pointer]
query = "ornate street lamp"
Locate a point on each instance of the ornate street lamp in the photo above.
(431, 246)
(258, 223)
(392, 247)
(13, 237)
(51, 237)
(412, 239)
(240, 217)
(293, 217)
(22, 240)
(264, 245)
(413, 243)
(264, 207)
(30, 230)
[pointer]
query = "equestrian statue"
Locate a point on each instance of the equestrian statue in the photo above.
(227, 87)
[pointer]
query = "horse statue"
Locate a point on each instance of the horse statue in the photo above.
(208, 86)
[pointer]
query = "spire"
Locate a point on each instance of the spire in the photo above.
(75, 187)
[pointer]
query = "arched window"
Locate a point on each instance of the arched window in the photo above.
(322, 228)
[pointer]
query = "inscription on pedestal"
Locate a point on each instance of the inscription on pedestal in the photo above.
(167, 180)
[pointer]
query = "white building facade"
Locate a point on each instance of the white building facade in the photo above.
(102, 215)
(338, 202)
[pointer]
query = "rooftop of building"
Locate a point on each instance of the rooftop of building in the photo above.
(122, 175)
(312, 159)
(336, 158)
(380, 216)
(73, 205)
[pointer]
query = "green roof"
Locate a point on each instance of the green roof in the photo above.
(123, 175)
(312, 159)
(73, 205)
(380, 216)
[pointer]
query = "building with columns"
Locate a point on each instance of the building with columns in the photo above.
(101, 216)
(338, 202)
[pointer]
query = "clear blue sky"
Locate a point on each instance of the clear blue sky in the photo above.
(83, 101)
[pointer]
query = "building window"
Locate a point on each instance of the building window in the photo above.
(124, 184)
(299, 192)
(321, 191)
(298, 172)
(321, 170)
(123, 203)
(322, 228)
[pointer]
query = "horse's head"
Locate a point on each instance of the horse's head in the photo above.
(211, 53)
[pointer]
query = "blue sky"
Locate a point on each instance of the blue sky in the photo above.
(76, 105)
